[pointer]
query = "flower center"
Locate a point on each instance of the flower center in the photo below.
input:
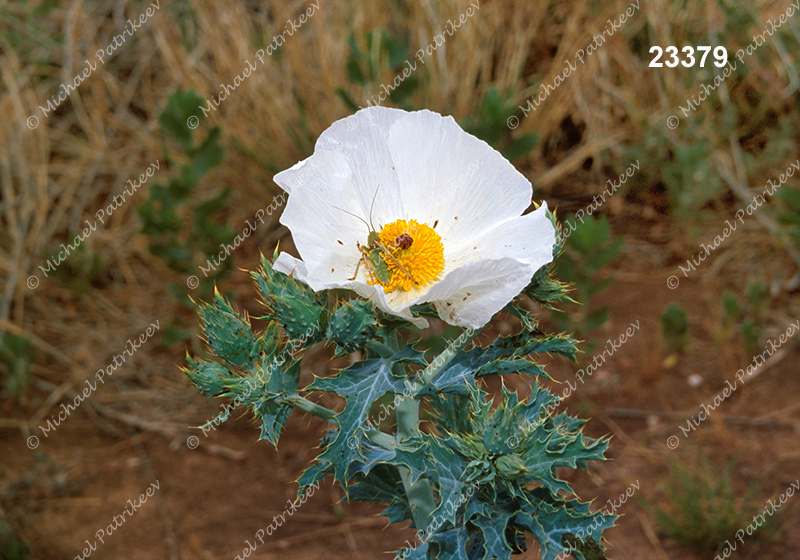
(416, 254)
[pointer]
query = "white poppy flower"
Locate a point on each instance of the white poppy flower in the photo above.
(447, 208)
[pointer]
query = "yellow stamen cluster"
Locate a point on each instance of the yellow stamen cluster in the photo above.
(421, 262)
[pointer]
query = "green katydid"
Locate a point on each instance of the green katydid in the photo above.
(375, 253)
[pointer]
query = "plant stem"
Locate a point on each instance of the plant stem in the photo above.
(420, 494)
(381, 438)
(312, 408)
(440, 362)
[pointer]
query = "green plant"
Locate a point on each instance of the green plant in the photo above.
(747, 316)
(11, 546)
(376, 68)
(491, 125)
(789, 214)
(16, 358)
(185, 232)
(461, 472)
(675, 328)
(591, 248)
(82, 270)
(702, 509)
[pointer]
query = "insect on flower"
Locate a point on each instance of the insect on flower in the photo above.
(374, 254)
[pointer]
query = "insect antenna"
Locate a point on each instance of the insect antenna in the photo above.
(371, 206)
(354, 215)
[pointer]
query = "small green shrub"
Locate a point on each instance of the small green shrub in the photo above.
(702, 509)
(675, 328)
(591, 247)
(16, 358)
(746, 317)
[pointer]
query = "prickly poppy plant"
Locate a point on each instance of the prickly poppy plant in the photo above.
(419, 220)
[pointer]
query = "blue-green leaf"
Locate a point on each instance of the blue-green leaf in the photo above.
(550, 520)
(361, 384)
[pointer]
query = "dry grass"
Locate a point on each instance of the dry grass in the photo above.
(60, 174)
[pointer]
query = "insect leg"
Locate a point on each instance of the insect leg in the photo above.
(394, 260)
(369, 269)
(356, 272)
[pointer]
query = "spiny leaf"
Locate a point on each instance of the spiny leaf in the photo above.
(280, 383)
(518, 443)
(383, 484)
(448, 473)
(457, 544)
(433, 458)
(361, 384)
(493, 531)
(550, 520)
(504, 355)
(588, 547)
(313, 474)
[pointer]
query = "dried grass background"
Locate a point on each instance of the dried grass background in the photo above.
(58, 175)
(78, 158)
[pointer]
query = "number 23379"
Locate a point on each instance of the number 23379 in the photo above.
(687, 57)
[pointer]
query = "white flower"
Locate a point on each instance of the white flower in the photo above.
(447, 206)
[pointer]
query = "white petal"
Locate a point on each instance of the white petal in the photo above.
(291, 266)
(527, 238)
(324, 233)
(448, 175)
(362, 139)
(286, 178)
(472, 294)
